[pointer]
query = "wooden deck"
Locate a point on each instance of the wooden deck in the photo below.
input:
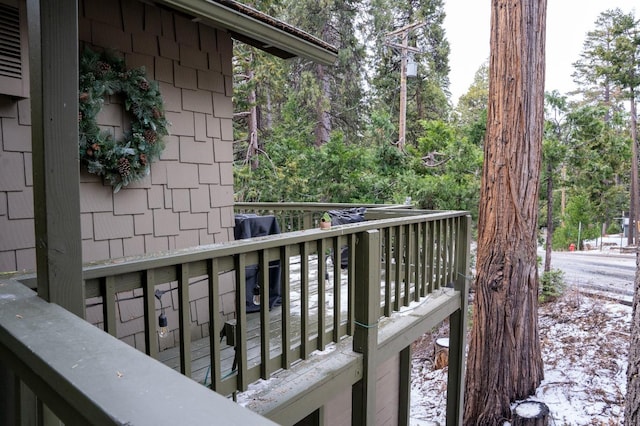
(200, 349)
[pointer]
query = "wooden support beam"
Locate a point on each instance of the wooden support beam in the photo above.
(404, 403)
(458, 324)
(53, 45)
(367, 313)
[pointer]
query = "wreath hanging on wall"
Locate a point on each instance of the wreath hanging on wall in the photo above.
(126, 160)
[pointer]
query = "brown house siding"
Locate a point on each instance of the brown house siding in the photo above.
(338, 410)
(388, 392)
(186, 200)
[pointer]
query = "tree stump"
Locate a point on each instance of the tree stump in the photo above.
(530, 413)
(441, 353)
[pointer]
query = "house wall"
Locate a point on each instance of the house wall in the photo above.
(388, 392)
(187, 199)
(337, 411)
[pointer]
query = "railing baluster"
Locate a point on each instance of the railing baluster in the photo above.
(149, 304)
(351, 286)
(337, 289)
(424, 259)
(213, 287)
(406, 230)
(263, 281)
(431, 241)
(437, 254)
(398, 253)
(445, 253)
(285, 292)
(109, 305)
(451, 246)
(415, 229)
(184, 319)
(388, 271)
(241, 322)
(304, 300)
(322, 314)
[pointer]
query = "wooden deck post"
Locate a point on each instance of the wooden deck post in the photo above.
(53, 69)
(404, 405)
(458, 324)
(53, 44)
(367, 313)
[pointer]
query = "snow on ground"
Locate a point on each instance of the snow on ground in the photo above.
(584, 344)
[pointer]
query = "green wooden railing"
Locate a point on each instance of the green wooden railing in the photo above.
(414, 254)
(57, 367)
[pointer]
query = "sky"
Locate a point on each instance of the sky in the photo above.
(568, 21)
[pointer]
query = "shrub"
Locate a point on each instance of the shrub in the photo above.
(551, 285)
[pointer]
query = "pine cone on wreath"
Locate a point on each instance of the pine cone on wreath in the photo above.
(150, 136)
(156, 113)
(144, 85)
(104, 68)
(124, 167)
(143, 159)
(84, 96)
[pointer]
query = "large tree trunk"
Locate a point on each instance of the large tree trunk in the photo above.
(634, 209)
(323, 123)
(632, 402)
(504, 362)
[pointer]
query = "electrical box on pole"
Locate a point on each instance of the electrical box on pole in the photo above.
(408, 68)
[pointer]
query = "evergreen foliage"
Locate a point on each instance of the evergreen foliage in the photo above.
(552, 285)
(587, 137)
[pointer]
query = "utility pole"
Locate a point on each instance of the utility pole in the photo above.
(403, 46)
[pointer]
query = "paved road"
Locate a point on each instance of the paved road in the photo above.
(601, 270)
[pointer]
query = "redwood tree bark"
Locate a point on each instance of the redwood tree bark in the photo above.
(632, 401)
(505, 362)
(323, 124)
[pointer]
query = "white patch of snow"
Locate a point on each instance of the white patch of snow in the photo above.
(528, 410)
(584, 348)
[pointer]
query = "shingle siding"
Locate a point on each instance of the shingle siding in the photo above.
(184, 201)
(186, 58)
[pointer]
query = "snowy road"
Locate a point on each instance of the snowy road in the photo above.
(602, 270)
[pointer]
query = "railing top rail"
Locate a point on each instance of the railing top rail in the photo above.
(85, 375)
(313, 207)
(151, 261)
(305, 206)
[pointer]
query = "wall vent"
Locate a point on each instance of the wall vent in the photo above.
(13, 49)
(10, 48)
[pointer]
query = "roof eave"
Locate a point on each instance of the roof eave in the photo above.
(253, 31)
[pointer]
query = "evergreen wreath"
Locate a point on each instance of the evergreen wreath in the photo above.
(123, 161)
